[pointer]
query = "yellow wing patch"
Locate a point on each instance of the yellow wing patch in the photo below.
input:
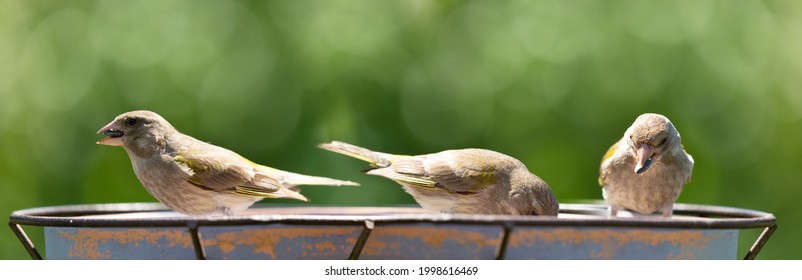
(253, 191)
(483, 179)
(414, 181)
(610, 152)
(195, 166)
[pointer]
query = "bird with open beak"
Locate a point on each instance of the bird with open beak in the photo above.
(646, 170)
(194, 177)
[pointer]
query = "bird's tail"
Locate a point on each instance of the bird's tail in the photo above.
(376, 159)
(295, 179)
(290, 180)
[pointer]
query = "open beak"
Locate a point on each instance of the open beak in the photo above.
(643, 158)
(113, 135)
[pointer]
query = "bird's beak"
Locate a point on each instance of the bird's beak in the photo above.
(643, 158)
(113, 135)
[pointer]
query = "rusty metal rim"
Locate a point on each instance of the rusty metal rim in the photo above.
(70, 216)
(65, 216)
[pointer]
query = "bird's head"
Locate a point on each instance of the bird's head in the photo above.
(649, 138)
(543, 203)
(135, 128)
(533, 196)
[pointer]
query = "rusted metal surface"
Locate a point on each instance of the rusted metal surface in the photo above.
(582, 231)
(286, 242)
(118, 243)
(621, 243)
(432, 241)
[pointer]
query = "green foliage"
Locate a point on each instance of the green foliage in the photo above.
(553, 83)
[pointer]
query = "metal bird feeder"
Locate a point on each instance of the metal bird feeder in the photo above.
(582, 231)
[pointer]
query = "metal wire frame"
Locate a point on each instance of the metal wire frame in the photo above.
(81, 216)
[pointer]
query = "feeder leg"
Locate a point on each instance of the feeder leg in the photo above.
(26, 242)
(505, 238)
(764, 237)
(360, 243)
(200, 252)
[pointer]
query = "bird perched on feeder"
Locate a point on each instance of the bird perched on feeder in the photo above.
(646, 170)
(468, 181)
(194, 177)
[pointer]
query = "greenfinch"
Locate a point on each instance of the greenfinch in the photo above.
(194, 177)
(467, 181)
(646, 170)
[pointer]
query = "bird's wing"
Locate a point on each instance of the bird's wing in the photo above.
(461, 171)
(607, 156)
(690, 159)
(225, 171)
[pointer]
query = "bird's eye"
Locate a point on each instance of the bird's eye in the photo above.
(533, 213)
(130, 121)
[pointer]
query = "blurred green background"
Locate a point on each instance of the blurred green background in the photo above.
(553, 83)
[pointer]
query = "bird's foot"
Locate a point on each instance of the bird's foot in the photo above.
(667, 212)
(612, 211)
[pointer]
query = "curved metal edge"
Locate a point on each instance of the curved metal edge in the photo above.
(734, 218)
(26, 242)
(760, 242)
(90, 209)
(62, 216)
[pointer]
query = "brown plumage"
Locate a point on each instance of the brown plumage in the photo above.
(646, 170)
(470, 181)
(194, 177)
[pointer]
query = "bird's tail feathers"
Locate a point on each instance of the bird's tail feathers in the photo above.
(295, 194)
(280, 193)
(294, 179)
(289, 179)
(376, 159)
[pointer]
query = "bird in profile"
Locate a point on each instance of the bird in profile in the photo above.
(467, 181)
(194, 177)
(646, 170)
